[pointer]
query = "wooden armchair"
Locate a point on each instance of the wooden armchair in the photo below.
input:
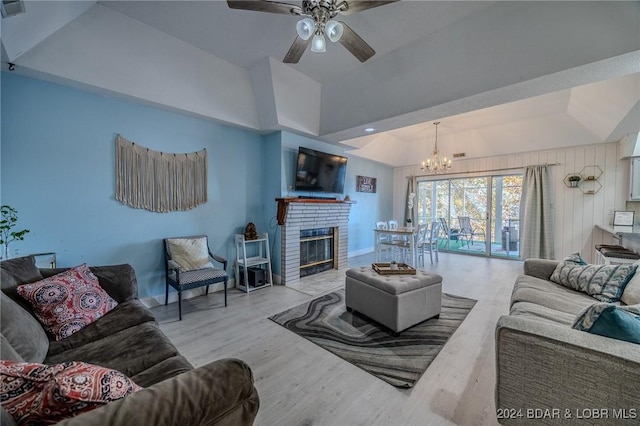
(188, 266)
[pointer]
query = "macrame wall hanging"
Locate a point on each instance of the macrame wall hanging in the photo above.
(159, 181)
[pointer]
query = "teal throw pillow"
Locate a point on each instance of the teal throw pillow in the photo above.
(617, 322)
(603, 282)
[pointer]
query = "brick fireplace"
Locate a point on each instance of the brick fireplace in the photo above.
(295, 215)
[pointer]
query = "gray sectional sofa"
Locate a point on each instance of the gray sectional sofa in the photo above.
(129, 340)
(550, 374)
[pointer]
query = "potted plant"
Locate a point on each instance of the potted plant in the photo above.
(9, 219)
(393, 265)
(574, 180)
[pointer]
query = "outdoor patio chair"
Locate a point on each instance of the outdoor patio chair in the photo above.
(467, 231)
(448, 234)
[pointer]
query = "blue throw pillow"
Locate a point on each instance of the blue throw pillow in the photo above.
(617, 322)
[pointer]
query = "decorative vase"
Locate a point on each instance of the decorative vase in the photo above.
(574, 183)
(393, 266)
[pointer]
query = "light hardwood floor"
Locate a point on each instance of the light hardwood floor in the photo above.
(301, 384)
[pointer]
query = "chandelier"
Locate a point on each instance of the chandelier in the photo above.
(434, 163)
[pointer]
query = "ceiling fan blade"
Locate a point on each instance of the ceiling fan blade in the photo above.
(265, 6)
(296, 50)
(360, 5)
(355, 44)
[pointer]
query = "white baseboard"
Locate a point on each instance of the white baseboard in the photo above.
(360, 252)
(158, 300)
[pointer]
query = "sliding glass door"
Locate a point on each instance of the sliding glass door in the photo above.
(505, 216)
(478, 215)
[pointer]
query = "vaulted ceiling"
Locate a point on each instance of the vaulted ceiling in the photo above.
(502, 77)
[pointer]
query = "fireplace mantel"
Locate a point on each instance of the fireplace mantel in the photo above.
(284, 202)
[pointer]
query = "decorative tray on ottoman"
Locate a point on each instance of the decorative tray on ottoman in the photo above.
(385, 269)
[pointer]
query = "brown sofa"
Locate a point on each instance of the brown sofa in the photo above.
(129, 340)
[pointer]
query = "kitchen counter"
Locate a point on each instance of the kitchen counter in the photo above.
(625, 231)
(626, 236)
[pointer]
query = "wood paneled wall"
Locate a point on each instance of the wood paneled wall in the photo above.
(575, 213)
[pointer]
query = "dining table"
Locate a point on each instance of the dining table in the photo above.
(398, 237)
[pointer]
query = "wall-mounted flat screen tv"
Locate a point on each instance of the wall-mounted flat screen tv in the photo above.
(318, 171)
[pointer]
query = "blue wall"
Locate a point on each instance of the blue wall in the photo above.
(58, 171)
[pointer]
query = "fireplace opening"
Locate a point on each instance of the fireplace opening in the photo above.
(316, 251)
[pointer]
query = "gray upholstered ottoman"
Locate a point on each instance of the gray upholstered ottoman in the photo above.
(395, 301)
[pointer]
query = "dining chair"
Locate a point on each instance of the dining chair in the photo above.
(430, 242)
(395, 239)
(383, 242)
(421, 234)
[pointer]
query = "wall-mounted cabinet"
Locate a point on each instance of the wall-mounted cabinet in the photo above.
(634, 181)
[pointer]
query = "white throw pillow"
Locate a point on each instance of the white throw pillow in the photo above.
(189, 253)
(631, 294)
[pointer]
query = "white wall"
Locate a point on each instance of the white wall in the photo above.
(467, 65)
(575, 213)
(107, 51)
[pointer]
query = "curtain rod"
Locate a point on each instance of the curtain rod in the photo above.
(483, 171)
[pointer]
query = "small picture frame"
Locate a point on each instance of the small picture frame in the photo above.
(621, 218)
(366, 184)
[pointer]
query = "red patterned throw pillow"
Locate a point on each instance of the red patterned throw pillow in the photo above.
(67, 302)
(47, 394)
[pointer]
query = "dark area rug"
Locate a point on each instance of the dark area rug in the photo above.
(399, 360)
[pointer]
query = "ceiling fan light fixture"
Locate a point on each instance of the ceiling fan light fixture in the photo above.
(318, 44)
(334, 30)
(305, 28)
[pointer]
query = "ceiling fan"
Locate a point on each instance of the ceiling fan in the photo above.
(318, 21)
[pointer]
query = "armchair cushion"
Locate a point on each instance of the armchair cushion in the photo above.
(189, 253)
(45, 394)
(67, 302)
(199, 275)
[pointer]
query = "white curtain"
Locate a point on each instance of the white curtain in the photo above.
(536, 215)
